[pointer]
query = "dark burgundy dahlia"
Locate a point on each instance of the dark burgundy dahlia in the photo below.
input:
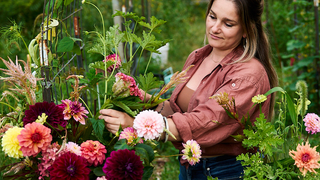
(123, 165)
(69, 166)
(53, 112)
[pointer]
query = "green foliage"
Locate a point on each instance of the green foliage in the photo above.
(69, 44)
(98, 128)
(148, 82)
(263, 135)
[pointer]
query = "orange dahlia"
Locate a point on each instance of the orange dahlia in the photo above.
(34, 138)
(306, 158)
(94, 152)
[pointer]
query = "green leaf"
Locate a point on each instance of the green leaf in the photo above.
(294, 44)
(101, 65)
(147, 172)
(98, 127)
(65, 45)
(292, 110)
(76, 49)
(122, 144)
(67, 2)
(145, 152)
(148, 81)
(124, 107)
(58, 4)
(98, 171)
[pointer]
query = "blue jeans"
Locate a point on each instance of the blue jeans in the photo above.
(224, 167)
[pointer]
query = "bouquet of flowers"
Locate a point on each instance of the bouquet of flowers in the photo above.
(45, 140)
(284, 150)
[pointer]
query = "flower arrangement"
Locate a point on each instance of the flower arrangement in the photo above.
(47, 140)
(282, 145)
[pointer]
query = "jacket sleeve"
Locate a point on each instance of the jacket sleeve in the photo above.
(199, 124)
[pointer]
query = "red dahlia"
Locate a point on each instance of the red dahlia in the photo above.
(54, 113)
(123, 165)
(69, 166)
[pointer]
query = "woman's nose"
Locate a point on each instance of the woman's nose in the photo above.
(216, 27)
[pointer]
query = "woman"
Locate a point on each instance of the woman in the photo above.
(237, 61)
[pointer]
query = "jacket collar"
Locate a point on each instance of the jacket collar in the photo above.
(203, 52)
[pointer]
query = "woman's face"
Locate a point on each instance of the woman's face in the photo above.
(223, 28)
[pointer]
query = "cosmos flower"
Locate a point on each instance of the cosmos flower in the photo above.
(69, 166)
(53, 112)
(306, 158)
(34, 138)
(191, 152)
(125, 86)
(94, 152)
(75, 110)
(149, 124)
(115, 59)
(312, 123)
(130, 134)
(123, 164)
(10, 143)
(260, 98)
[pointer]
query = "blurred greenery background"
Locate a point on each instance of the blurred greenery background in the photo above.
(290, 26)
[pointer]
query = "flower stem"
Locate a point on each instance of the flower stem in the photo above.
(86, 106)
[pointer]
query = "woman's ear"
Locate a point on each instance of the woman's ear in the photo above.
(244, 35)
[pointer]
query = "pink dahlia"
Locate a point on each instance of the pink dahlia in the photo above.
(69, 166)
(306, 158)
(149, 124)
(101, 178)
(123, 164)
(312, 123)
(53, 112)
(130, 134)
(48, 157)
(74, 148)
(34, 138)
(94, 152)
(125, 86)
(191, 152)
(115, 59)
(74, 109)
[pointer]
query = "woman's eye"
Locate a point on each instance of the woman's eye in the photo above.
(229, 25)
(212, 17)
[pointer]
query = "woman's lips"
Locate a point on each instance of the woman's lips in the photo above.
(215, 37)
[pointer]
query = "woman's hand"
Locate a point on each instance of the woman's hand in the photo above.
(114, 118)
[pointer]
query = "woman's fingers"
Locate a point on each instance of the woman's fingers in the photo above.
(109, 112)
(113, 119)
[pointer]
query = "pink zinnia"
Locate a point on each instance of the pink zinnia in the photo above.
(74, 109)
(125, 86)
(306, 158)
(130, 134)
(69, 166)
(115, 59)
(191, 152)
(149, 124)
(94, 152)
(34, 138)
(312, 123)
